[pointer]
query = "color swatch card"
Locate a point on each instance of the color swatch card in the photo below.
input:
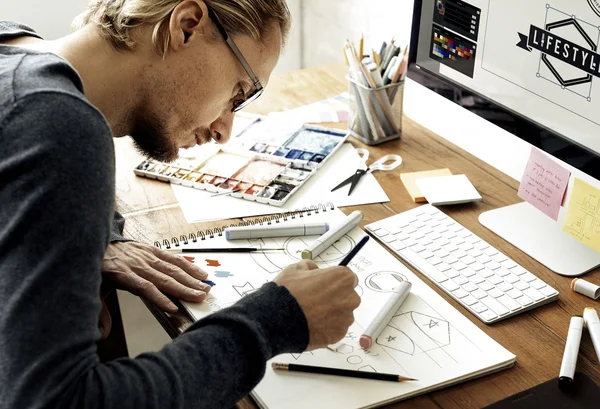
(544, 183)
(582, 220)
(266, 163)
(447, 190)
(410, 182)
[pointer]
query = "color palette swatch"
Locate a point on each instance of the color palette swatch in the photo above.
(445, 47)
(261, 170)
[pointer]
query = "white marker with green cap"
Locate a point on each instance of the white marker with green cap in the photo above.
(333, 235)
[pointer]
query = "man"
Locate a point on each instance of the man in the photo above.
(162, 72)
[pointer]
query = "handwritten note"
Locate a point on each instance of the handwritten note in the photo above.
(583, 214)
(544, 183)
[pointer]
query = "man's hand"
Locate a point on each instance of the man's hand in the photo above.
(146, 270)
(327, 298)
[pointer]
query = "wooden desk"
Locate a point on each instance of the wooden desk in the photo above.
(536, 337)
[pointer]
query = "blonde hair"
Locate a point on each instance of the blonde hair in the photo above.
(117, 18)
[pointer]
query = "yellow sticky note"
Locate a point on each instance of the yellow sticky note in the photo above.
(409, 180)
(582, 220)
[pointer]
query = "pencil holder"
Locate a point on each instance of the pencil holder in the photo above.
(375, 114)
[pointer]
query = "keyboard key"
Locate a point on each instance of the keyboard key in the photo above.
(464, 233)
(494, 305)
(388, 239)
(441, 253)
(481, 245)
(503, 272)
(548, 291)
(508, 264)
(452, 273)
(495, 279)
(484, 258)
(398, 245)
(435, 260)
(477, 266)
(524, 301)
(468, 260)
(459, 253)
(435, 235)
(511, 278)
(509, 303)
(469, 287)
(467, 272)
(518, 270)
(450, 285)
(443, 241)
(410, 242)
(393, 229)
(433, 247)
(478, 308)
(474, 253)
(505, 286)
(486, 273)
(514, 293)
(418, 235)
(417, 248)
(490, 251)
(468, 300)
(492, 265)
(451, 248)
(499, 258)
(468, 247)
(449, 235)
(474, 240)
(460, 293)
(477, 279)
(533, 294)
(425, 241)
(479, 293)
(437, 276)
(460, 280)
(521, 285)
(537, 284)
(528, 277)
(494, 292)
(487, 315)
(486, 286)
(450, 259)
(459, 266)
(443, 267)
(382, 233)
(457, 241)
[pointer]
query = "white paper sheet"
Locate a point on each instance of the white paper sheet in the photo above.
(199, 206)
(427, 338)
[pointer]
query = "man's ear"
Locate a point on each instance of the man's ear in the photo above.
(189, 21)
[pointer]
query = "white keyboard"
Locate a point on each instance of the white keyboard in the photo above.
(482, 279)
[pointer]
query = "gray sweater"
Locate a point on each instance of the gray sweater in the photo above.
(56, 212)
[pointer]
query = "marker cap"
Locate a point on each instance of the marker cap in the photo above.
(306, 255)
(365, 341)
(586, 288)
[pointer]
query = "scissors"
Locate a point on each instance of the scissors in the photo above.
(364, 169)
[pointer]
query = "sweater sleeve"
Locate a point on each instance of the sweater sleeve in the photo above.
(57, 195)
(118, 224)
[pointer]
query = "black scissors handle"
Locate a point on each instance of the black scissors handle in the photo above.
(353, 180)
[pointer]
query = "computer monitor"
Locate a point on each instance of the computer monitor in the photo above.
(528, 67)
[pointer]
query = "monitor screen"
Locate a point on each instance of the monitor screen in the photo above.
(529, 66)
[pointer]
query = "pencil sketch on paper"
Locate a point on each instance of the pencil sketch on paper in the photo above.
(384, 281)
(274, 262)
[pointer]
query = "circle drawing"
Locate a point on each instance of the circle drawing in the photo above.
(384, 281)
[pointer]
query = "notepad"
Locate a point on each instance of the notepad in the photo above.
(447, 190)
(409, 181)
(427, 338)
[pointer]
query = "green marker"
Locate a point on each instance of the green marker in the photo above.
(332, 235)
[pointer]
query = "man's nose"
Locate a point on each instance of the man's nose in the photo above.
(221, 128)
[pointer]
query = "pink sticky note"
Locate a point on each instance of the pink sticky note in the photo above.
(544, 183)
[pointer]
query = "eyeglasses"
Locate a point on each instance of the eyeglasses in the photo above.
(245, 100)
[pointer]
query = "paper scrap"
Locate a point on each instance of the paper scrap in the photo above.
(582, 220)
(413, 190)
(544, 183)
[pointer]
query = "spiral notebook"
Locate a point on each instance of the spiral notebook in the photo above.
(427, 339)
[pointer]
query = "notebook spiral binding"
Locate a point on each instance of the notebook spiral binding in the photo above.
(267, 220)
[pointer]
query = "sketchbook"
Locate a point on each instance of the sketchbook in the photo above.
(427, 339)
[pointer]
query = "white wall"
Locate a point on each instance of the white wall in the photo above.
(50, 18)
(328, 23)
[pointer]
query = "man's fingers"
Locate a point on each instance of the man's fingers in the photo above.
(307, 265)
(179, 275)
(182, 263)
(146, 289)
(171, 286)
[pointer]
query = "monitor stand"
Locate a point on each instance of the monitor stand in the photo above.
(542, 238)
